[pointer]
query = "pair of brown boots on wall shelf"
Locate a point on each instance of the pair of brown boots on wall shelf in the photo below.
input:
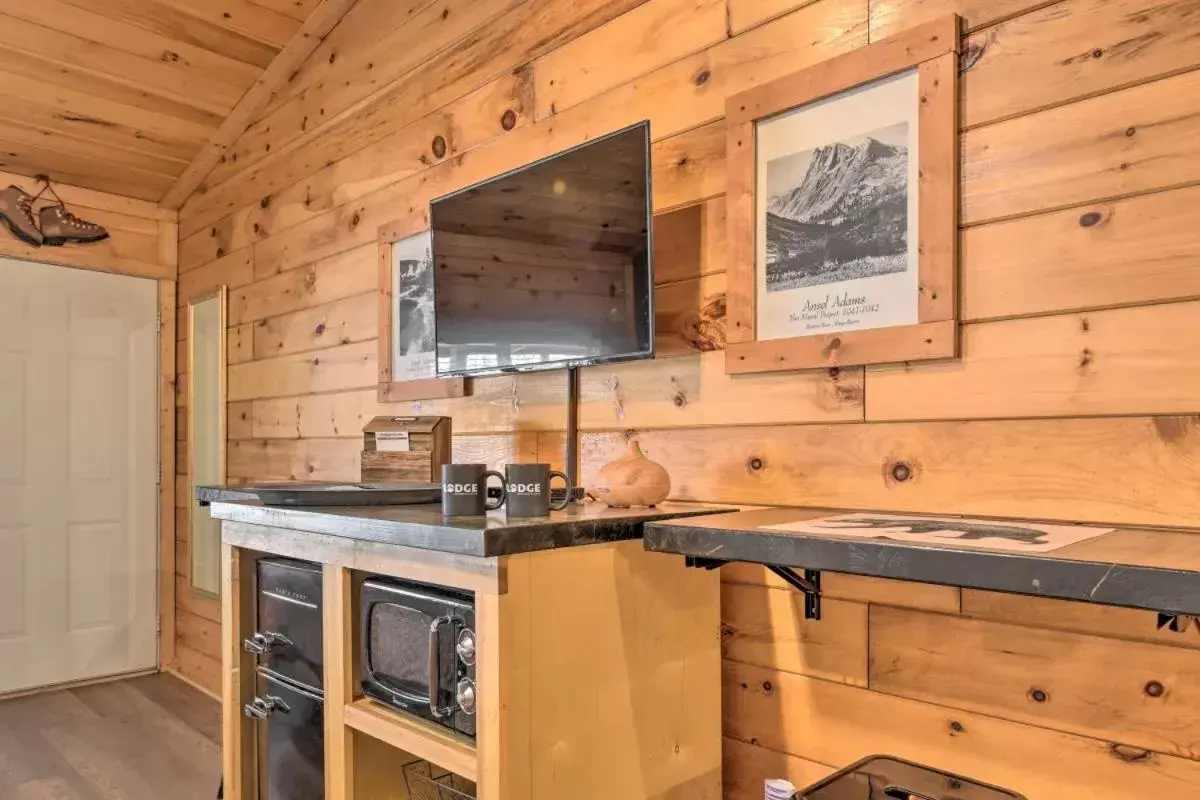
(52, 225)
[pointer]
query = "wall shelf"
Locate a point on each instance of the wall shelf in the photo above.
(413, 736)
(1155, 570)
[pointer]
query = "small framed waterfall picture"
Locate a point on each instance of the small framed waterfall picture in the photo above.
(842, 197)
(407, 318)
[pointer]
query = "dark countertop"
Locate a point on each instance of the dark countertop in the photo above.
(223, 494)
(423, 526)
(1157, 570)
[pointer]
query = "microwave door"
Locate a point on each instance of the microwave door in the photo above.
(410, 655)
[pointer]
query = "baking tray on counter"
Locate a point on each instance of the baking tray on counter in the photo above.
(389, 493)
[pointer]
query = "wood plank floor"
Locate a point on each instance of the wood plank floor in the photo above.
(150, 738)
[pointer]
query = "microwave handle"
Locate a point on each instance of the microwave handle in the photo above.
(435, 669)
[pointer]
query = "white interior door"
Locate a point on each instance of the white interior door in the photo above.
(78, 474)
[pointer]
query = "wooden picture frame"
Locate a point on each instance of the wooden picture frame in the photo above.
(390, 389)
(928, 54)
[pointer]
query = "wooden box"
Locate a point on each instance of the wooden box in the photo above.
(405, 449)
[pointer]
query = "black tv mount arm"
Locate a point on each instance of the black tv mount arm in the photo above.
(573, 431)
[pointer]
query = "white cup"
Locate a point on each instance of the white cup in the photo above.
(778, 789)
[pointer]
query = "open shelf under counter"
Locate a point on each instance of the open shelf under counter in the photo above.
(1151, 569)
(415, 737)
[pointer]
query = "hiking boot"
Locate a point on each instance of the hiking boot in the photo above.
(60, 227)
(16, 212)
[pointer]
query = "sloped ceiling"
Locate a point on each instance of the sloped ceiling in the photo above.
(123, 95)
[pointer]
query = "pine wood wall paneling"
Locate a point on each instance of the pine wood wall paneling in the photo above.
(41, 114)
(341, 367)
(767, 628)
(1051, 679)
(679, 300)
(198, 633)
(1128, 142)
(299, 46)
(234, 270)
(690, 167)
(689, 315)
(354, 76)
(1125, 42)
(773, 45)
(1001, 62)
(78, 150)
(745, 14)
(90, 42)
(1140, 249)
(649, 36)
(199, 669)
(687, 391)
(192, 603)
(70, 167)
(38, 91)
(379, 145)
(119, 95)
(831, 723)
(1139, 360)
(1063, 615)
(334, 415)
(368, 21)
(240, 30)
(297, 9)
(346, 321)
(241, 344)
(879, 591)
(241, 420)
(294, 459)
(342, 276)
(689, 243)
(1099, 469)
(696, 85)
(447, 51)
(892, 16)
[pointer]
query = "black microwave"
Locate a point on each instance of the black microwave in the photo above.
(418, 651)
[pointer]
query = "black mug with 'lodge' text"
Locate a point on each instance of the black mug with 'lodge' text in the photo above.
(528, 490)
(465, 492)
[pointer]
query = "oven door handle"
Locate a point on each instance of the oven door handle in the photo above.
(435, 669)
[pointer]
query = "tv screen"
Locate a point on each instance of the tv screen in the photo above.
(549, 265)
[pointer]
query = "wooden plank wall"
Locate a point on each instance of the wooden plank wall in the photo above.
(1075, 398)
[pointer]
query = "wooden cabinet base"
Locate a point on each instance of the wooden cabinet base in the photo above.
(598, 677)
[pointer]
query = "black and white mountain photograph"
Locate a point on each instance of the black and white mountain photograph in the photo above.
(839, 211)
(412, 290)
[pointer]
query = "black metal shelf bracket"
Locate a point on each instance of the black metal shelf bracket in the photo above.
(1177, 623)
(809, 583)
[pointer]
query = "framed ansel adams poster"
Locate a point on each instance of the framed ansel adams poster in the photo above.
(407, 343)
(842, 199)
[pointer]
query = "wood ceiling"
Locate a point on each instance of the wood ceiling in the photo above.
(123, 95)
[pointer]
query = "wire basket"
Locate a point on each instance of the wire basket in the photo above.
(427, 782)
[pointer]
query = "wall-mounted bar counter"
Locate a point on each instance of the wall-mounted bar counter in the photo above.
(1156, 570)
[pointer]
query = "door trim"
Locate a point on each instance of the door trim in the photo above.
(167, 319)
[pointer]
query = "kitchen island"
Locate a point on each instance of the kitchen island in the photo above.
(597, 666)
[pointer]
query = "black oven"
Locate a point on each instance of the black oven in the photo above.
(418, 651)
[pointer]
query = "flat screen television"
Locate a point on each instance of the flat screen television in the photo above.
(549, 265)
